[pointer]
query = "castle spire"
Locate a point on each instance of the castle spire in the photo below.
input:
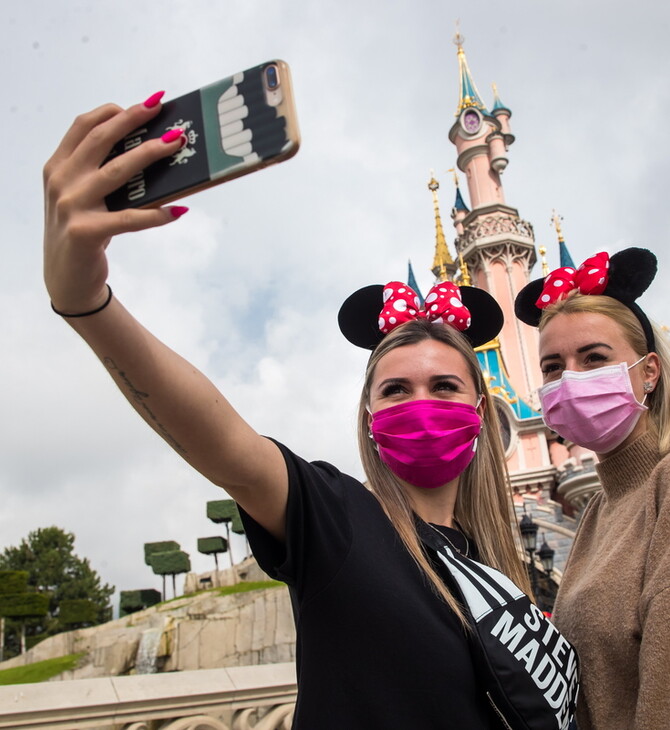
(566, 259)
(443, 265)
(469, 95)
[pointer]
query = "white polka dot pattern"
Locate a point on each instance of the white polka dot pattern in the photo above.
(443, 304)
(589, 278)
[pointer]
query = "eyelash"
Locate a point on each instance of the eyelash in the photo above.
(590, 358)
(394, 388)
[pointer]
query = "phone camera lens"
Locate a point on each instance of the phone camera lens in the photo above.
(271, 77)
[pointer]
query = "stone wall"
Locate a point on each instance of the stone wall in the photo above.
(202, 631)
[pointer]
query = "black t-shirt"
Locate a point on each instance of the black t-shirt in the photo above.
(376, 648)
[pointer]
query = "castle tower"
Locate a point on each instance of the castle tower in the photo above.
(498, 249)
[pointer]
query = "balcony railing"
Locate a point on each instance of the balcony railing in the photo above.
(237, 698)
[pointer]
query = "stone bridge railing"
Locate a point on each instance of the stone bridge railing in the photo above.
(237, 698)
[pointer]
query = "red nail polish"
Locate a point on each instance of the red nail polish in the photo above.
(151, 102)
(178, 210)
(172, 134)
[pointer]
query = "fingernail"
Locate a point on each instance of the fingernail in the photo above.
(172, 134)
(151, 102)
(178, 210)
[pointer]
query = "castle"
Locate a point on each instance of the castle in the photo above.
(495, 249)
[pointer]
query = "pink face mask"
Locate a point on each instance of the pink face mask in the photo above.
(596, 409)
(426, 443)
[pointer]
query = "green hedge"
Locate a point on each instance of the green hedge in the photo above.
(131, 601)
(209, 545)
(236, 526)
(158, 547)
(170, 563)
(24, 605)
(77, 611)
(222, 510)
(13, 581)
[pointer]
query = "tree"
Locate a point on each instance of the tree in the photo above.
(55, 571)
(212, 546)
(171, 563)
(225, 510)
(151, 548)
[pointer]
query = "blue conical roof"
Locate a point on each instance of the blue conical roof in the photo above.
(469, 96)
(460, 203)
(566, 259)
(411, 280)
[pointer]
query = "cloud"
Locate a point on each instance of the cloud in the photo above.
(247, 285)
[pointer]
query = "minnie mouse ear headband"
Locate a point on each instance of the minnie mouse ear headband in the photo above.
(373, 311)
(624, 277)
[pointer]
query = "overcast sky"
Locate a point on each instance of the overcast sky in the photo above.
(248, 284)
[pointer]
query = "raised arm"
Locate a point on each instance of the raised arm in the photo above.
(172, 396)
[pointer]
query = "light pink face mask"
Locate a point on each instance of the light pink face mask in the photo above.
(426, 443)
(596, 409)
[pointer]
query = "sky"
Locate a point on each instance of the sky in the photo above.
(247, 285)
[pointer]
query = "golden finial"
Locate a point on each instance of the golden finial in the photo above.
(453, 169)
(556, 220)
(545, 267)
(442, 256)
(465, 274)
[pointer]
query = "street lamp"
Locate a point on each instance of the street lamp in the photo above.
(546, 555)
(529, 538)
(528, 530)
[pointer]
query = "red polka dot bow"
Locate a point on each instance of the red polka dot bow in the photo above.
(589, 278)
(443, 304)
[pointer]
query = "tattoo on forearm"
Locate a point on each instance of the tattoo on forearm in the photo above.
(140, 399)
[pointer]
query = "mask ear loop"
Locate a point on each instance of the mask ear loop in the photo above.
(646, 387)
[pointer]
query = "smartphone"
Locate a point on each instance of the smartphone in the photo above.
(233, 127)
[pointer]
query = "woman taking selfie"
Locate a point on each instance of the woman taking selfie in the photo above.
(604, 367)
(382, 640)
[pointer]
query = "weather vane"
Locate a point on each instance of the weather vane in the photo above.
(458, 38)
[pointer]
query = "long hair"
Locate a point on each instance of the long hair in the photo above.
(484, 507)
(657, 401)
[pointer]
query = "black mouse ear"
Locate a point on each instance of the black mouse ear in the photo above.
(524, 305)
(631, 272)
(359, 317)
(486, 315)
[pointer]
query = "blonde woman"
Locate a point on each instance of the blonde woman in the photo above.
(604, 367)
(382, 641)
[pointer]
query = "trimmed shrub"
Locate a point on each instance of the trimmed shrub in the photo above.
(131, 601)
(13, 581)
(24, 605)
(236, 526)
(209, 545)
(158, 547)
(77, 611)
(222, 510)
(170, 563)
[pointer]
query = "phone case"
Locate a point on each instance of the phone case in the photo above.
(233, 127)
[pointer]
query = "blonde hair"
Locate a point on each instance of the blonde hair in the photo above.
(657, 401)
(484, 507)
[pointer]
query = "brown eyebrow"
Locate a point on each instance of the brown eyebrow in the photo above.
(434, 378)
(580, 350)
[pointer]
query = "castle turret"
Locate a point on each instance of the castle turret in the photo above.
(443, 267)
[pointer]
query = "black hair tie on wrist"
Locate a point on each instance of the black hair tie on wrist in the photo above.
(86, 314)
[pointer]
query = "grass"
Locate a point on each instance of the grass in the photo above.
(39, 671)
(249, 586)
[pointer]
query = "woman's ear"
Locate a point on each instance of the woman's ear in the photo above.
(481, 405)
(652, 371)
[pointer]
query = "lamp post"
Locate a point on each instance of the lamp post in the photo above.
(528, 530)
(529, 538)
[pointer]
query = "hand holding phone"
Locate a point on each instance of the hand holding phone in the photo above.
(233, 127)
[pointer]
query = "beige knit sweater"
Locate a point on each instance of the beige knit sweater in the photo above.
(614, 599)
